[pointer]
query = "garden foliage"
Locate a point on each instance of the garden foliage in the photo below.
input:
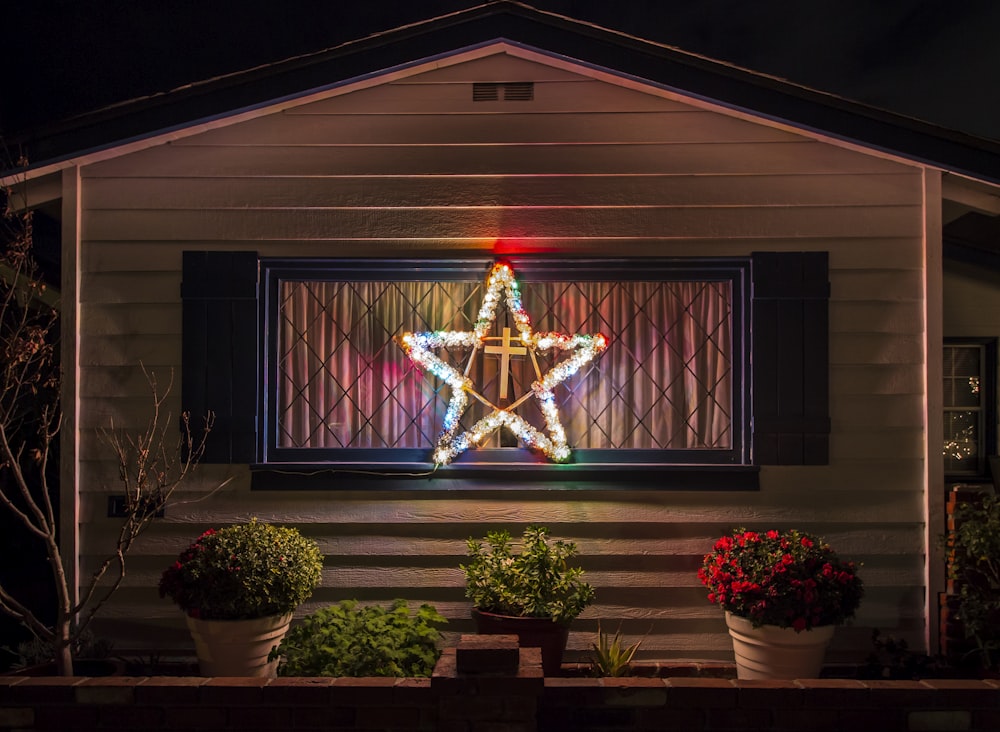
(974, 546)
(244, 571)
(533, 582)
(354, 640)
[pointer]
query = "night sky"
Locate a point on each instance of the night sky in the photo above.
(937, 60)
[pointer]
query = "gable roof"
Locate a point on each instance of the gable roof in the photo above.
(628, 57)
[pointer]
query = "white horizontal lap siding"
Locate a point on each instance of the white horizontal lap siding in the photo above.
(780, 158)
(587, 167)
(461, 191)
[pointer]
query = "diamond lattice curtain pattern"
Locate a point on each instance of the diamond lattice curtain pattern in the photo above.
(665, 382)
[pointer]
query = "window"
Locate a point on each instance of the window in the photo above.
(969, 406)
(297, 358)
(669, 388)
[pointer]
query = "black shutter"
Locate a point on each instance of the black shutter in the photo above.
(791, 355)
(220, 357)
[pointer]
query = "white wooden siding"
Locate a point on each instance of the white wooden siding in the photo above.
(588, 167)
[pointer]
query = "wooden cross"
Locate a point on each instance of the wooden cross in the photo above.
(505, 350)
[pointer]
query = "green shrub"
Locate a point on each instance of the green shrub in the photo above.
(535, 581)
(975, 564)
(352, 640)
(244, 571)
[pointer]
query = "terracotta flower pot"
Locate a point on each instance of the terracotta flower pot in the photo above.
(541, 633)
(770, 652)
(238, 647)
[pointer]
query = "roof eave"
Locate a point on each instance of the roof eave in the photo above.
(649, 63)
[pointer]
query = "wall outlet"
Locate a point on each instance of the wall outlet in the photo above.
(118, 508)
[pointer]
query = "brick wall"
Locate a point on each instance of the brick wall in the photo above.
(508, 696)
(809, 704)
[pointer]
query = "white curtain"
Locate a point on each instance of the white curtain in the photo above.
(665, 381)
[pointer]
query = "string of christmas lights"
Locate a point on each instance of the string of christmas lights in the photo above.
(501, 286)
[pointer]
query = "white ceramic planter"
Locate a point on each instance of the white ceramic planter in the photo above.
(770, 652)
(238, 647)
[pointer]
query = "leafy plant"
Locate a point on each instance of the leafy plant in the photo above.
(244, 571)
(610, 656)
(789, 579)
(36, 651)
(534, 582)
(354, 640)
(974, 546)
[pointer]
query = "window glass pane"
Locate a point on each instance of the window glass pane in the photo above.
(961, 441)
(962, 373)
(965, 408)
(665, 382)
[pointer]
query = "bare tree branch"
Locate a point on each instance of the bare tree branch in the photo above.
(150, 467)
(152, 462)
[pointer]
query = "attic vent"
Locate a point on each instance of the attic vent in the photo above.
(516, 91)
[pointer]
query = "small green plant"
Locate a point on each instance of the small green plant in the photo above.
(354, 640)
(610, 656)
(36, 651)
(974, 547)
(248, 570)
(535, 582)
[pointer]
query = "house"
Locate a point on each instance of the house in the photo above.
(764, 260)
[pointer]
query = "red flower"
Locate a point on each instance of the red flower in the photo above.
(789, 579)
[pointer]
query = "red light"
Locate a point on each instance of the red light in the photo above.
(503, 247)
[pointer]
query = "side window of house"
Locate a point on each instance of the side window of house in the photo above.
(304, 366)
(969, 406)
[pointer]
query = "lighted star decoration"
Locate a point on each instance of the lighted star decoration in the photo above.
(582, 349)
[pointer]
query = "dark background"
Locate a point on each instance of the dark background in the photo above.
(936, 60)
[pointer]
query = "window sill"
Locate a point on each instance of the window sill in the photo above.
(504, 476)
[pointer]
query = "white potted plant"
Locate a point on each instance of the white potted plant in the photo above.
(784, 593)
(239, 586)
